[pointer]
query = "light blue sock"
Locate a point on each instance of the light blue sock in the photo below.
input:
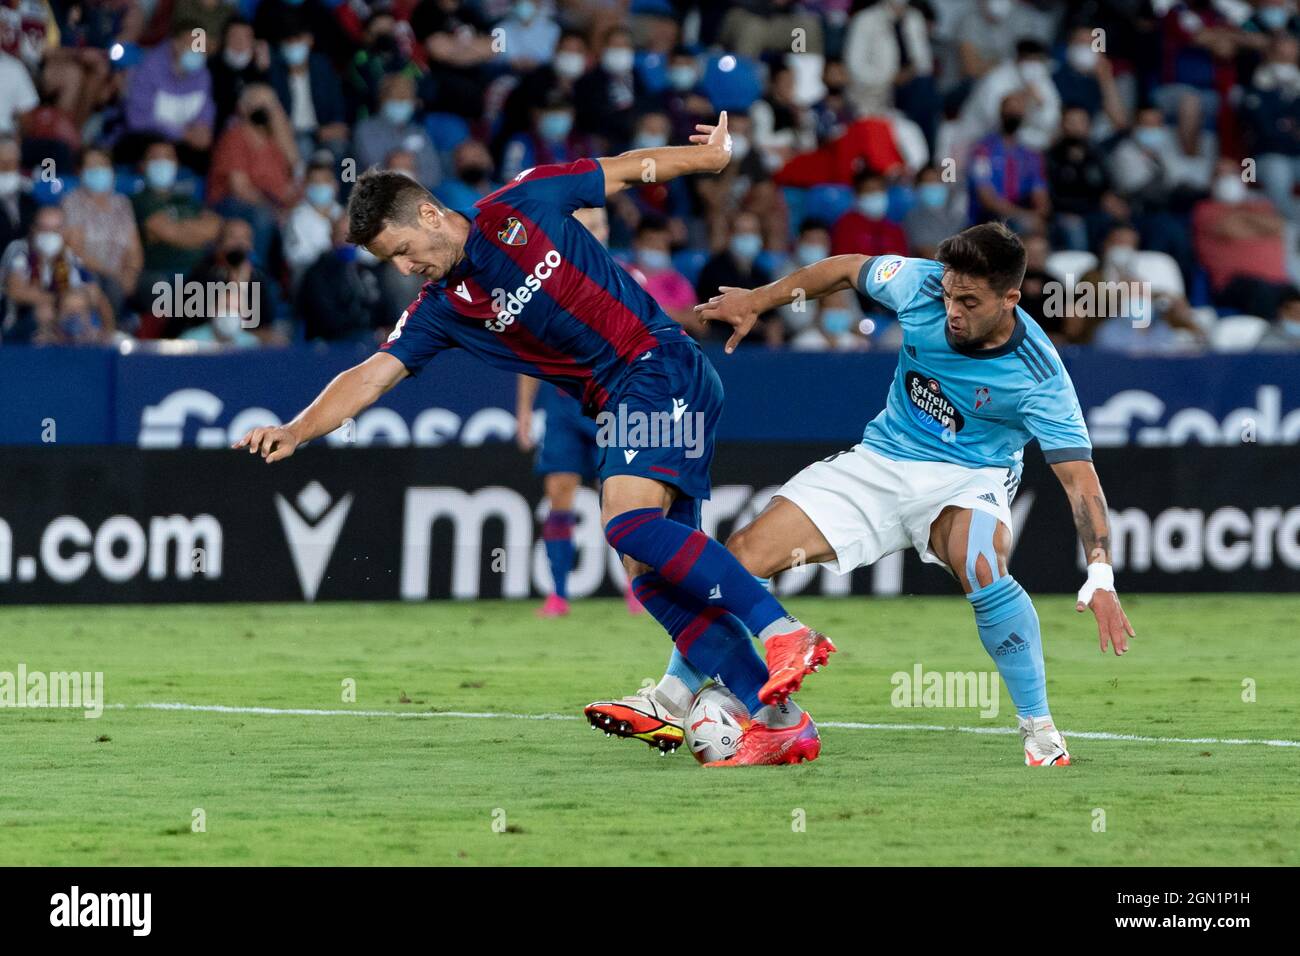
(1008, 626)
(686, 672)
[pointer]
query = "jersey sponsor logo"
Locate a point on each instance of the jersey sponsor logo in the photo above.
(889, 268)
(931, 407)
(982, 396)
(512, 232)
(514, 303)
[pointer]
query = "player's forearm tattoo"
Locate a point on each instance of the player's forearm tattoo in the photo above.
(1092, 520)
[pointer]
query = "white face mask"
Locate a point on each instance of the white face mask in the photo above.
(9, 182)
(1081, 57)
(237, 59)
(1035, 71)
(49, 244)
(998, 9)
(1229, 189)
(1120, 258)
(569, 64)
(618, 59)
(227, 326)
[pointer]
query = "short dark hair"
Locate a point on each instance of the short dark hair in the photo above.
(989, 251)
(381, 197)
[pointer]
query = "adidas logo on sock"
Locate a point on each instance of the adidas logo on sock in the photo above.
(1012, 645)
(990, 497)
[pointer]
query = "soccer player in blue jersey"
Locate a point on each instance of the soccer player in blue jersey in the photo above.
(936, 470)
(522, 285)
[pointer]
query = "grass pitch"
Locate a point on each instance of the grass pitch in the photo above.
(128, 787)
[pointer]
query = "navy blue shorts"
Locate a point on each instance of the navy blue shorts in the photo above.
(661, 420)
(569, 444)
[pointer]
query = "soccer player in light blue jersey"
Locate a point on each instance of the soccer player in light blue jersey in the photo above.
(937, 469)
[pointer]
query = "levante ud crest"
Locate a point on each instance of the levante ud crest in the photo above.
(512, 232)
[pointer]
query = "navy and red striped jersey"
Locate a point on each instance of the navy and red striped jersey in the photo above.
(537, 293)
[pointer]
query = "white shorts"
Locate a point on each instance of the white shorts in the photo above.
(868, 506)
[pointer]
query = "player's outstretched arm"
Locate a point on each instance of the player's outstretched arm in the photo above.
(709, 153)
(352, 391)
(1092, 519)
(740, 308)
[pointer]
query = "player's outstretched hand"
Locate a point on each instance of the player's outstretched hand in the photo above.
(734, 307)
(716, 137)
(1113, 627)
(272, 442)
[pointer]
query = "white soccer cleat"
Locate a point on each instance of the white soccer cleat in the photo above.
(638, 716)
(1044, 745)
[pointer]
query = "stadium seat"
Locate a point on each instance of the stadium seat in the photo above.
(689, 262)
(1159, 269)
(1070, 263)
(1237, 333)
(447, 131)
(827, 202)
(732, 82)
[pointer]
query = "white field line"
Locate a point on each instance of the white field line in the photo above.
(842, 725)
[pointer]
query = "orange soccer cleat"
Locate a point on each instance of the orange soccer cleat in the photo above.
(789, 658)
(760, 745)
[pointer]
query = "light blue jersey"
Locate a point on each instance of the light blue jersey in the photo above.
(972, 407)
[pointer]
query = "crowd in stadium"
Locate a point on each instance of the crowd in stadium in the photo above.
(1146, 141)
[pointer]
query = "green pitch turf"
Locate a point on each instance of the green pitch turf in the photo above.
(332, 789)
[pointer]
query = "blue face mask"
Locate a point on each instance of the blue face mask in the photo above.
(649, 141)
(399, 112)
(525, 10)
(932, 195)
(320, 194)
(160, 173)
(746, 246)
(837, 321)
(555, 127)
(1274, 18)
(295, 54)
(98, 179)
(654, 259)
(873, 205)
(1149, 137)
(681, 78)
(192, 61)
(810, 252)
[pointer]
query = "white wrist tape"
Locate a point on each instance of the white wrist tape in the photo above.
(1101, 577)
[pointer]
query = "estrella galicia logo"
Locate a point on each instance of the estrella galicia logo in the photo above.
(930, 406)
(1012, 645)
(512, 232)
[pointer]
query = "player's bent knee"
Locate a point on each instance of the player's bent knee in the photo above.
(635, 568)
(746, 549)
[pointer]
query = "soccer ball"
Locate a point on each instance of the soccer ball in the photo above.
(714, 724)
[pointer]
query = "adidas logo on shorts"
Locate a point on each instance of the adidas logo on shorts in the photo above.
(990, 497)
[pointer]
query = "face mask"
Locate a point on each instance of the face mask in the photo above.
(160, 173)
(9, 182)
(525, 10)
(554, 127)
(1290, 328)
(192, 61)
(654, 259)
(1150, 137)
(998, 9)
(649, 141)
(873, 205)
(1229, 189)
(746, 246)
(98, 179)
(49, 244)
(682, 77)
(1081, 57)
(618, 60)
(739, 146)
(932, 195)
(236, 257)
(295, 54)
(1274, 18)
(837, 321)
(570, 65)
(810, 252)
(399, 112)
(1120, 258)
(1035, 71)
(237, 59)
(227, 326)
(1286, 74)
(1011, 123)
(320, 194)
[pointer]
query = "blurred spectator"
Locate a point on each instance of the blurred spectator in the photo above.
(1086, 79)
(1029, 75)
(864, 230)
(651, 252)
(38, 270)
(1198, 43)
(101, 229)
(1122, 312)
(1036, 288)
(473, 176)
(552, 139)
(382, 52)
(782, 128)
(309, 231)
(394, 127)
(308, 88)
(455, 39)
(1239, 240)
(836, 327)
(341, 297)
(754, 27)
(812, 245)
(210, 16)
(1284, 334)
(17, 207)
(170, 95)
(274, 19)
(254, 300)
(528, 35)
(934, 216)
(606, 95)
(1078, 178)
(987, 35)
(1007, 179)
(244, 60)
(737, 266)
(683, 100)
(887, 51)
(17, 93)
(558, 77)
(174, 228)
(78, 321)
(1271, 114)
(225, 327)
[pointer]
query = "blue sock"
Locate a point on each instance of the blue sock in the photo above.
(712, 641)
(695, 563)
(1008, 626)
(557, 532)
